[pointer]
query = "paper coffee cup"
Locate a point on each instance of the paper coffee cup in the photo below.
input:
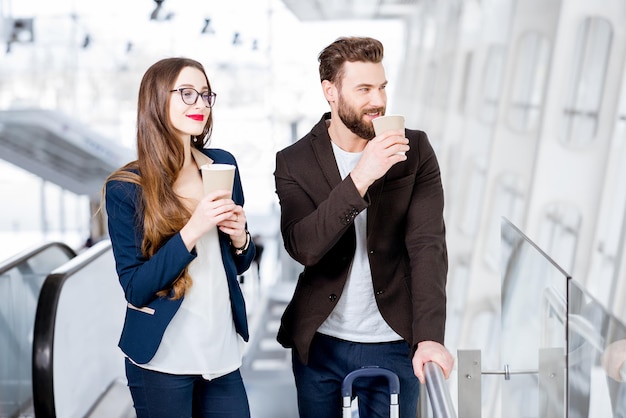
(217, 177)
(387, 123)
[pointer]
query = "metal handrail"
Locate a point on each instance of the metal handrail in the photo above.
(27, 254)
(438, 392)
(45, 321)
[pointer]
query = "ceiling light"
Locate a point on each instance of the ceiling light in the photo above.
(207, 27)
(157, 10)
(236, 39)
(158, 13)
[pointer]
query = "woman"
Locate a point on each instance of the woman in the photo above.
(178, 254)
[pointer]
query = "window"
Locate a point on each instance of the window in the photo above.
(508, 201)
(492, 76)
(606, 258)
(457, 292)
(443, 81)
(467, 67)
(529, 82)
(584, 91)
(559, 234)
(473, 199)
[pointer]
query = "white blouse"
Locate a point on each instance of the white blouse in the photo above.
(201, 338)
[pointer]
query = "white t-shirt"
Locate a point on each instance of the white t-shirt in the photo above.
(201, 338)
(356, 316)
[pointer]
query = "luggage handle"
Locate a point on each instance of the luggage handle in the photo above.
(370, 371)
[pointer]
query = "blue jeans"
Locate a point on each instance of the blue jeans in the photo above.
(331, 359)
(162, 395)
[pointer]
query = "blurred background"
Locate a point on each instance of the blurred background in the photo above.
(524, 102)
(84, 61)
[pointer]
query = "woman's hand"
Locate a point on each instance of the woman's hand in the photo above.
(216, 208)
(235, 227)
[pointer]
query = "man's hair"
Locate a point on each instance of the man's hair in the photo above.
(352, 49)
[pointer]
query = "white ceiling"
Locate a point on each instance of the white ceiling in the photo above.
(351, 9)
(264, 82)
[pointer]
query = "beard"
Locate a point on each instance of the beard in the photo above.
(353, 119)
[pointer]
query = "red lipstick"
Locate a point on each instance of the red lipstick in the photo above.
(196, 117)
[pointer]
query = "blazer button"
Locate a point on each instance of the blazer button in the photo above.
(332, 297)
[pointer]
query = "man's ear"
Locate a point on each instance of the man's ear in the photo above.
(330, 91)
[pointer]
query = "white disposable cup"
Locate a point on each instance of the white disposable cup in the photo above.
(218, 177)
(387, 123)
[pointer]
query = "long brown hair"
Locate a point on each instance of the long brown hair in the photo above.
(160, 157)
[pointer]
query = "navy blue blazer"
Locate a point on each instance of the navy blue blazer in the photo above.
(147, 315)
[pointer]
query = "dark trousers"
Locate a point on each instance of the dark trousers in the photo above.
(163, 395)
(331, 359)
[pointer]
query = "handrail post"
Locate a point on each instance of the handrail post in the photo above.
(550, 374)
(552, 367)
(470, 373)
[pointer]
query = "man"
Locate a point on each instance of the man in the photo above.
(364, 215)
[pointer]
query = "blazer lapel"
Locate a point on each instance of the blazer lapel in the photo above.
(323, 151)
(326, 159)
(200, 158)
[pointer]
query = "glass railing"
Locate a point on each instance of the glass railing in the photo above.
(562, 353)
(533, 329)
(595, 362)
(21, 278)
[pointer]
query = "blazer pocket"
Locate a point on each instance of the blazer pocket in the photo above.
(144, 309)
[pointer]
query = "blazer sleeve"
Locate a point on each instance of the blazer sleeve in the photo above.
(140, 278)
(314, 217)
(426, 246)
(243, 261)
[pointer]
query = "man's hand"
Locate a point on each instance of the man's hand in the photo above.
(378, 156)
(435, 352)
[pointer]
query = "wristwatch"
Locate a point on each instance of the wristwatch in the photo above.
(242, 250)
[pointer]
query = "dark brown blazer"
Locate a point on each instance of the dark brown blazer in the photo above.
(405, 238)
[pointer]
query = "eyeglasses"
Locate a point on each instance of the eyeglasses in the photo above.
(190, 96)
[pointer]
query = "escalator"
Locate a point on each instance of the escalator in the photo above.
(60, 316)
(78, 370)
(21, 279)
